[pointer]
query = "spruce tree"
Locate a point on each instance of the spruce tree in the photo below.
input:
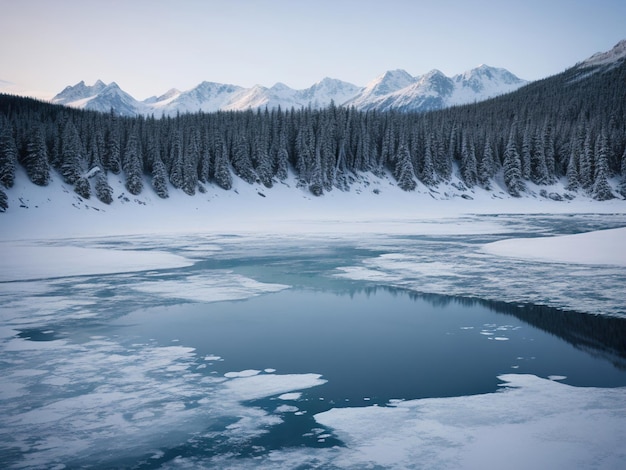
(4, 201)
(601, 189)
(36, 159)
(404, 169)
(8, 156)
(512, 168)
(132, 164)
(486, 166)
(71, 154)
(104, 192)
(222, 176)
(159, 179)
(82, 187)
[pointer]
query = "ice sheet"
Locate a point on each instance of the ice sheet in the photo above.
(22, 262)
(597, 247)
(531, 423)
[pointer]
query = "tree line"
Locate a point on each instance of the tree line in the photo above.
(569, 127)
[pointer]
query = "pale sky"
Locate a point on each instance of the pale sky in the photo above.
(150, 46)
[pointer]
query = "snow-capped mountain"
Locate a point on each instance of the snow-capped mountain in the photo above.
(395, 89)
(613, 56)
(99, 97)
(398, 90)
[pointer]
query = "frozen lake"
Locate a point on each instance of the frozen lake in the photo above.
(315, 351)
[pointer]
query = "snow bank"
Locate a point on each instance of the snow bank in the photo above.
(532, 423)
(22, 261)
(599, 247)
(373, 205)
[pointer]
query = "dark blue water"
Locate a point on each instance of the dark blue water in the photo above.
(384, 344)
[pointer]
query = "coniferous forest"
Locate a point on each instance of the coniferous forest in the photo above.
(569, 127)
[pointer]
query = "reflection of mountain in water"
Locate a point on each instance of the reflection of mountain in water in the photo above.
(599, 335)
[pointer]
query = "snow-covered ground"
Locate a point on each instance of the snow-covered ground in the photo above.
(373, 205)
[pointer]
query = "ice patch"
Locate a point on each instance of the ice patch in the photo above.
(290, 396)
(531, 423)
(599, 247)
(214, 286)
(243, 373)
(259, 386)
(212, 357)
(286, 409)
(23, 262)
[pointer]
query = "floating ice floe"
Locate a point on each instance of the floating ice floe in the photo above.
(213, 286)
(530, 423)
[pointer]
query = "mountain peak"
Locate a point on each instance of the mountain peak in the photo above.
(616, 54)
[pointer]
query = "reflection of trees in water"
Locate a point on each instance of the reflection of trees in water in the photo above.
(599, 335)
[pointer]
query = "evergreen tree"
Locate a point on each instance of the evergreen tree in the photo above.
(159, 179)
(242, 163)
(176, 159)
(512, 168)
(4, 201)
(468, 163)
(82, 187)
(404, 169)
(622, 186)
(104, 192)
(573, 183)
(526, 154)
(601, 188)
(317, 186)
(71, 154)
(585, 172)
(539, 169)
(427, 175)
(8, 156)
(486, 166)
(112, 156)
(36, 159)
(190, 164)
(132, 164)
(222, 176)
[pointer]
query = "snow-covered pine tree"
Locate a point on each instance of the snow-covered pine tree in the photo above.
(622, 186)
(538, 168)
(190, 163)
(104, 192)
(71, 154)
(222, 175)
(242, 163)
(112, 160)
(82, 187)
(4, 201)
(585, 171)
(486, 168)
(468, 162)
(573, 183)
(512, 168)
(601, 189)
(8, 155)
(159, 178)
(36, 159)
(132, 164)
(526, 154)
(176, 159)
(427, 173)
(404, 169)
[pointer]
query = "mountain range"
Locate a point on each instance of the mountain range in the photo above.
(395, 89)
